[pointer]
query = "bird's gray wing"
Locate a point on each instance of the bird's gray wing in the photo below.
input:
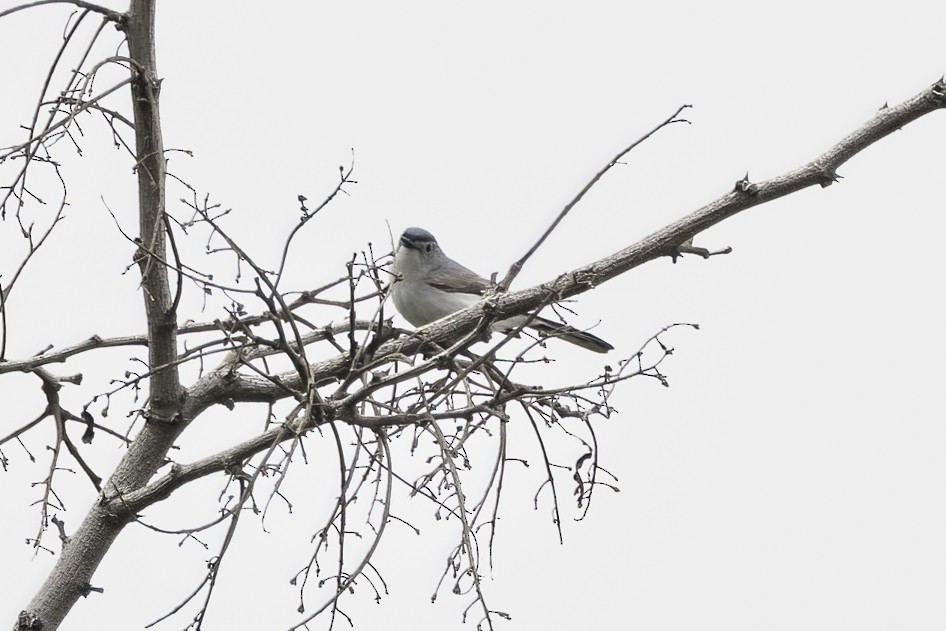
(454, 278)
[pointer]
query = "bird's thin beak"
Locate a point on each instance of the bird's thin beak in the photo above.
(407, 243)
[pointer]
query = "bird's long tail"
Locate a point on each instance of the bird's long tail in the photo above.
(577, 337)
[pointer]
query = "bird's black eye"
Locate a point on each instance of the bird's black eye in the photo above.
(429, 248)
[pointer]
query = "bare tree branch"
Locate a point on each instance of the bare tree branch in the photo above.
(379, 384)
(821, 171)
(114, 16)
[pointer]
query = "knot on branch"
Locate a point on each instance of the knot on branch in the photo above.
(687, 247)
(153, 416)
(745, 187)
(938, 90)
(587, 278)
(28, 621)
(827, 177)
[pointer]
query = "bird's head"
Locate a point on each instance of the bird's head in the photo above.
(417, 250)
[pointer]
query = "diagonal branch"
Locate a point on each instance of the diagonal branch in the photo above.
(820, 171)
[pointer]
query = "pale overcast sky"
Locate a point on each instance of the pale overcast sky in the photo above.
(791, 477)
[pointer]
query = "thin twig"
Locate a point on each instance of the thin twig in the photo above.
(518, 265)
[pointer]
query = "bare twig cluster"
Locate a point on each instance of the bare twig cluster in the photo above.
(377, 388)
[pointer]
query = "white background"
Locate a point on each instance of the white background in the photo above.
(791, 477)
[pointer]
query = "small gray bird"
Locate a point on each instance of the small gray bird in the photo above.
(430, 285)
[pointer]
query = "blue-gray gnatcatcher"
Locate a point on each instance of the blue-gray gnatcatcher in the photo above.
(429, 285)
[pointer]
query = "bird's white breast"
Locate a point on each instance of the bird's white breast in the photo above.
(415, 299)
(421, 304)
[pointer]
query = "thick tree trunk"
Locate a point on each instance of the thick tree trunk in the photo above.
(82, 553)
